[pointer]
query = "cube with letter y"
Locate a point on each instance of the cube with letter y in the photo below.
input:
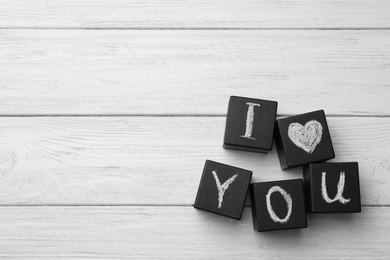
(250, 124)
(332, 187)
(303, 139)
(223, 189)
(278, 205)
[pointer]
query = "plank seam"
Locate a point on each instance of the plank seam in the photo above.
(139, 205)
(204, 28)
(174, 115)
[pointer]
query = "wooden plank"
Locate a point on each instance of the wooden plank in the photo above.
(156, 160)
(195, 13)
(192, 72)
(183, 232)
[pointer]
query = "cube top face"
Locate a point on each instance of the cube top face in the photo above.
(278, 205)
(332, 187)
(250, 124)
(222, 189)
(303, 139)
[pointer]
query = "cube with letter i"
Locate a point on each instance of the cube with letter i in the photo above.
(250, 124)
(332, 187)
(303, 139)
(278, 205)
(223, 189)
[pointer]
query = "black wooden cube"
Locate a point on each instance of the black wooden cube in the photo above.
(250, 124)
(332, 187)
(278, 205)
(303, 139)
(222, 189)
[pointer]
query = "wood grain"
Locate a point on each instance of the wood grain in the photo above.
(195, 14)
(156, 160)
(55, 72)
(182, 233)
(117, 184)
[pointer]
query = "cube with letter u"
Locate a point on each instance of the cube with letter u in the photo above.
(332, 187)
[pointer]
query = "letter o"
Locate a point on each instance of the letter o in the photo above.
(271, 211)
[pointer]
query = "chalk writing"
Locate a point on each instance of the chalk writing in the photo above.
(340, 189)
(222, 188)
(271, 211)
(249, 120)
(306, 137)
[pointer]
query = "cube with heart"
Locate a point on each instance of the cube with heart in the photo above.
(332, 187)
(303, 139)
(223, 189)
(250, 124)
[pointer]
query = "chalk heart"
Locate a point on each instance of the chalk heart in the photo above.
(306, 137)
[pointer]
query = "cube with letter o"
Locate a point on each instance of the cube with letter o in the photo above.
(278, 205)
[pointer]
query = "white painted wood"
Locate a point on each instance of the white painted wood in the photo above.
(195, 13)
(183, 233)
(192, 72)
(156, 160)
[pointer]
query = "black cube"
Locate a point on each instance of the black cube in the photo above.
(223, 189)
(250, 124)
(303, 139)
(278, 205)
(332, 187)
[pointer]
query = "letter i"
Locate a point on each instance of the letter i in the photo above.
(249, 120)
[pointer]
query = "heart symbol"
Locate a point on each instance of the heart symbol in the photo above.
(306, 137)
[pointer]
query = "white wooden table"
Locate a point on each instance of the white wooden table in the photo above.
(109, 109)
